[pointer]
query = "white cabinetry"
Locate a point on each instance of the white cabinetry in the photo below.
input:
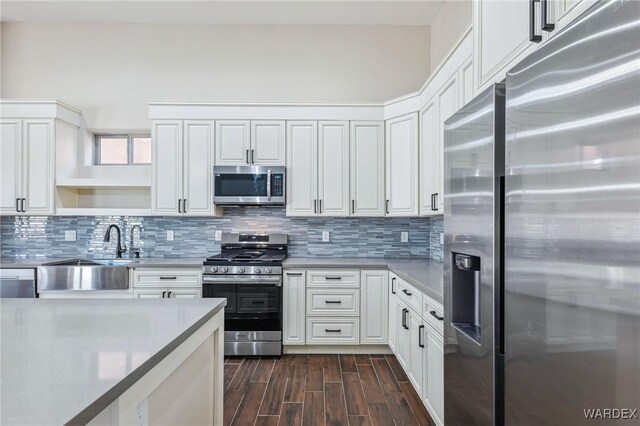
(243, 142)
(374, 300)
(367, 168)
(318, 168)
(179, 283)
(402, 165)
(393, 312)
(430, 170)
(182, 167)
(433, 374)
(568, 10)
(293, 303)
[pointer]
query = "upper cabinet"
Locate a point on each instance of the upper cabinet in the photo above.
(430, 153)
(317, 168)
(367, 168)
(241, 142)
(402, 166)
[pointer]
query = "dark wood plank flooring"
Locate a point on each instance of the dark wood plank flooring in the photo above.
(318, 390)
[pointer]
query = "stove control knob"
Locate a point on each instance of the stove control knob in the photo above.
(224, 269)
(257, 270)
(214, 269)
(267, 270)
(241, 270)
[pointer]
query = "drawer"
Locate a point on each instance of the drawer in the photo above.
(259, 302)
(432, 312)
(167, 277)
(333, 302)
(332, 331)
(409, 294)
(333, 278)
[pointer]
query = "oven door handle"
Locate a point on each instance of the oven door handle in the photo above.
(243, 279)
(269, 184)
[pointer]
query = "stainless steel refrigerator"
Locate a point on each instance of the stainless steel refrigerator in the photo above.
(542, 234)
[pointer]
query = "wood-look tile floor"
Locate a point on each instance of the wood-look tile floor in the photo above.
(319, 390)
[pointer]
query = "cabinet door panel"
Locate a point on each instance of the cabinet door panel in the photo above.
(403, 348)
(293, 302)
(433, 393)
(393, 313)
(367, 168)
(232, 142)
(402, 165)
(333, 168)
(167, 166)
(302, 160)
(447, 106)
(416, 337)
(185, 293)
(150, 294)
(374, 307)
(197, 164)
(37, 166)
(267, 143)
(10, 164)
(466, 83)
(429, 154)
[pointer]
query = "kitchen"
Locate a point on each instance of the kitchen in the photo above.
(363, 221)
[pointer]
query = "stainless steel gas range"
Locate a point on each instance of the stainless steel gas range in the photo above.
(248, 273)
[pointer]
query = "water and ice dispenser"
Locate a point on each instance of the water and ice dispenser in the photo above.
(465, 295)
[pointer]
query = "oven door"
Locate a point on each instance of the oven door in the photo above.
(248, 185)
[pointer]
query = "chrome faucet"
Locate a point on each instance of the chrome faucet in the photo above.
(120, 248)
(135, 250)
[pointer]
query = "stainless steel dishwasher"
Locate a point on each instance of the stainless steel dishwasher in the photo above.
(18, 283)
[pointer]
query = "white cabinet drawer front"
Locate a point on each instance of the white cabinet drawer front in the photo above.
(332, 331)
(333, 278)
(410, 295)
(432, 312)
(333, 302)
(168, 278)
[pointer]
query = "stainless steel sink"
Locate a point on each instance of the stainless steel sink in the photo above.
(84, 274)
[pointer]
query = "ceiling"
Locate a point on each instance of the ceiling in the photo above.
(265, 12)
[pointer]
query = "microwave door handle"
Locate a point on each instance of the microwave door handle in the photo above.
(269, 184)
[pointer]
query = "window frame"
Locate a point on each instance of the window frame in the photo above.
(97, 142)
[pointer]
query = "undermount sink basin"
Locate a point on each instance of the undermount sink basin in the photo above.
(84, 274)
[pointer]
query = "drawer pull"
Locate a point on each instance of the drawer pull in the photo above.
(332, 330)
(434, 314)
(404, 290)
(168, 278)
(393, 287)
(294, 274)
(332, 278)
(169, 294)
(404, 318)
(420, 342)
(258, 302)
(333, 301)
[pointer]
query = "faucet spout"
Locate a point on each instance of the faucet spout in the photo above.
(120, 247)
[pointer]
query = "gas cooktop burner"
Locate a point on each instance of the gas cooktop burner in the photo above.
(250, 250)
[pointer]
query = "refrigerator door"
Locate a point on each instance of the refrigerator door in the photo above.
(572, 248)
(473, 164)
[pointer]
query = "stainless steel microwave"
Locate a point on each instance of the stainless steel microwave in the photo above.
(249, 185)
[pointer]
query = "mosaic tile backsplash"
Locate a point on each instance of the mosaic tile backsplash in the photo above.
(194, 236)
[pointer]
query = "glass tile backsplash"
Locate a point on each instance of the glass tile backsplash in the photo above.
(23, 236)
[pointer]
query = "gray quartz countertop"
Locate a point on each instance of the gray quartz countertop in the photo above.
(157, 262)
(65, 360)
(425, 274)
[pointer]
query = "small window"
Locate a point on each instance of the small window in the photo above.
(122, 150)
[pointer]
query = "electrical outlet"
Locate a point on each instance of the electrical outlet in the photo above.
(218, 235)
(169, 235)
(442, 238)
(70, 235)
(142, 411)
(404, 237)
(325, 236)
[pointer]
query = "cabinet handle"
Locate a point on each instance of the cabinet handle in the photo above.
(168, 295)
(23, 202)
(404, 290)
(247, 154)
(294, 274)
(319, 206)
(252, 160)
(393, 287)
(18, 205)
(386, 207)
(168, 278)
(331, 330)
(179, 205)
(258, 302)
(532, 22)
(433, 208)
(332, 278)
(434, 314)
(333, 301)
(315, 206)
(404, 318)
(184, 205)
(435, 201)
(420, 342)
(164, 293)
(546, 25)
(353, 206)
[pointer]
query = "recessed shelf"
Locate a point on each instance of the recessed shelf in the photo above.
(102, 183)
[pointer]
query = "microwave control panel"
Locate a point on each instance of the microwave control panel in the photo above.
(277, 185)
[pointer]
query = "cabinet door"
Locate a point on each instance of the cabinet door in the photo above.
(429, 155)
(374, 306)
(402, 166)
(156, 293)
(333, 168)
(166, 166)
(393, 313)
(501, 38)
(302, 168)
(267, 143)
(293, 305)
(37, 166)
(10, 165)
(198, 167)
(416, 341)
(367, 168)
(447, 100)
(433, 371)
(404, 344)
(465, 78)
(185, 293)
(232, 143)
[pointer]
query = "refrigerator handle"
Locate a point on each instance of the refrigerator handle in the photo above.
(544, 11)
(532, 22)
(500, 302)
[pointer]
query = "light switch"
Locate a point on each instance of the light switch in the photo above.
(70, 235)
(218, 235)
(325, 236)
(404, 237)
(169, 235)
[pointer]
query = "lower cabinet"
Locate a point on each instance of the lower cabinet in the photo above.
(182, 283)
(374, 301)
(393, 312)
(293, 304)
(433, 374)
(168, 293)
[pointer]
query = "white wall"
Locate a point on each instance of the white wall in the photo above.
(448, 25)
(111, 71)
